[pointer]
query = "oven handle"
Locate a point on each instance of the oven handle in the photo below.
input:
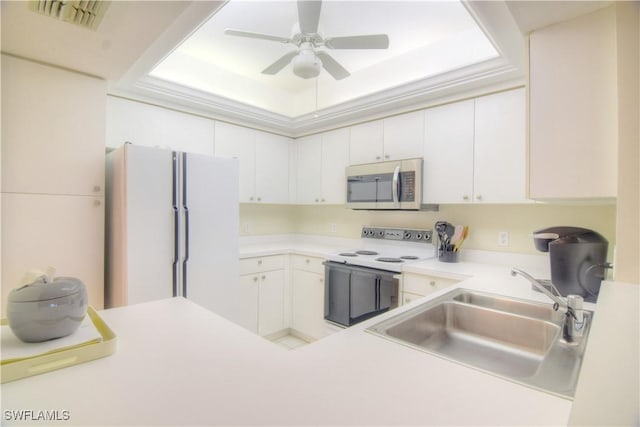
(395, 187)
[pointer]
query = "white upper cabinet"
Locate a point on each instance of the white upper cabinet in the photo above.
(238, 141)
(499, 171)
(367, 143)
(448, 153)
(151, 126)
(573, 108)
(475, 150)
(53, 130)
(335, 159)
(321, 164)
(272, 168)
(392, 138)
(309, 169)
(263, 158)
(404, 136)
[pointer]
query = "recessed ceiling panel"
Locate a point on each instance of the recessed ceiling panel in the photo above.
(426, 38)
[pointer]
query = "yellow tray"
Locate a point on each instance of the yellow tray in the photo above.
(15, 369)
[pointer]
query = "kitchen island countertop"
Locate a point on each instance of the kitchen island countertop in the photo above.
(179, 364)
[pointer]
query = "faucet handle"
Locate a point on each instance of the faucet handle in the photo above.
(575, 303)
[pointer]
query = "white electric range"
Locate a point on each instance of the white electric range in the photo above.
(388, 248)
(363, 282)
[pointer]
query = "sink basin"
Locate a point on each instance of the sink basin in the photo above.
(517, 340)
(488, 339)
(510, 305)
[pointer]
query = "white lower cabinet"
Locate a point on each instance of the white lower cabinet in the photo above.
(415, 286)
(263, 285)
(307, 299)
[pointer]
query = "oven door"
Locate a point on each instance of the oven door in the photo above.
(354, 294)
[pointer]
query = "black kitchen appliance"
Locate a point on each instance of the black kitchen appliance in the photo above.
(578, 259)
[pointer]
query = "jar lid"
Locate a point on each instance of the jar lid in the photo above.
(43, 291)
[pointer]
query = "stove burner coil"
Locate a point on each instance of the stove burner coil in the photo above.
(349, 254)
(409, 257)
(367, 252)
(385, 259)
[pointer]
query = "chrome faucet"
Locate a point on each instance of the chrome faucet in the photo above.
(573, 327)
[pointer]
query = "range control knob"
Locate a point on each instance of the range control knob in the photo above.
(380, 233)
(407, 235)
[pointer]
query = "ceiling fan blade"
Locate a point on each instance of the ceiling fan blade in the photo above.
(372, 41)
(309, 15)
(332, 66)
(280, 63)
(252, 35)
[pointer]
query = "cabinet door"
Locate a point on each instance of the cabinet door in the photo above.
(366, 143)
(53, 130)
(148, 125)
(271, 302)
(335, 158)
(309, 170)
(238, 141)
(248, 302)
(448, 153)
(404, 136)
(573, 108)
(65, 232)
(307, 311)
(272, 168)
(499, 148)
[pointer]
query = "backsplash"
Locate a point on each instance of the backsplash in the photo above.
(484, 221)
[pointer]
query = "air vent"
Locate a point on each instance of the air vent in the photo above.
(85, 13)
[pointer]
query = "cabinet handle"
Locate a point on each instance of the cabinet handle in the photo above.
(377, 157)
(317, 200)
(479, 197)
(259, 262)
(251, 198)
(96, 203)
(263, 277)
(465, 197)
(322, 200)
(432, 283)
(321, 280)
(96, 188)
(386, 156)
(307, 261)
(259, 199)
(255, 278)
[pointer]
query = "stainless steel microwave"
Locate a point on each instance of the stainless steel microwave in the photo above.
(395, 185)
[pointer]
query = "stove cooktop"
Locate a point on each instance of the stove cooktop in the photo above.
(388, 248)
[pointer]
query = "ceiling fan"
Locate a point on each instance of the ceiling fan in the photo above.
(307, 61)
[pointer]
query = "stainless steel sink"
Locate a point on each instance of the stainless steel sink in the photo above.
(517, 340)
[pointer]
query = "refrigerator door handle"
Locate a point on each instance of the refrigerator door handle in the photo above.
(176, 226)
(185, 208)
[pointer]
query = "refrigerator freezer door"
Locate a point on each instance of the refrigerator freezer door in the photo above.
(211, 234)
(149, 224)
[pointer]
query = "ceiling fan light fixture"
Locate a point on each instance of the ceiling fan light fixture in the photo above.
(306, 64)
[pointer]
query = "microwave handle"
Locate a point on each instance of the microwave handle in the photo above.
(395, 187)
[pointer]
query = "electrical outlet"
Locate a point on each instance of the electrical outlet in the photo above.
(503, 238)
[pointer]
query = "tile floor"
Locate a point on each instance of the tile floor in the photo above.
(290, 342)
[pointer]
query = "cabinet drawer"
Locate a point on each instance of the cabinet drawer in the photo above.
(424, 285)
(258, 264)
(409, 297)
(307, 263)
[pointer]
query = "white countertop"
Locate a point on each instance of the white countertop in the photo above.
(179, 364)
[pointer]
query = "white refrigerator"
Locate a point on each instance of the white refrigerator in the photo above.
(172, 229)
